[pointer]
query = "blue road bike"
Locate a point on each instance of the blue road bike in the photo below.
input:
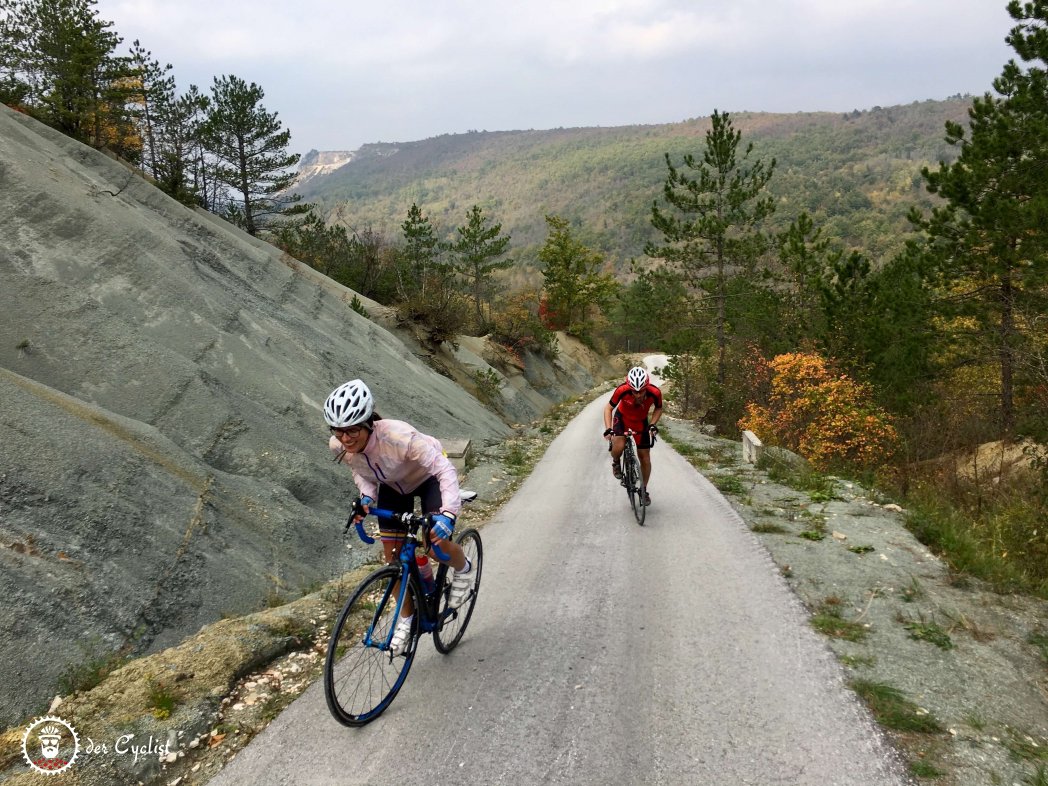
(362, 676)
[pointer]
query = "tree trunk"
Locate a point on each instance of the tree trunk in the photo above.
(249, 219)
(1006, 350)
(722, 296)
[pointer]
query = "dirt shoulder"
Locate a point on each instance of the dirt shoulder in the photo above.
(959, 671)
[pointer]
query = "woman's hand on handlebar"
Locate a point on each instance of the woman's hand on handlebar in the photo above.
(443, 526)
(361, 508)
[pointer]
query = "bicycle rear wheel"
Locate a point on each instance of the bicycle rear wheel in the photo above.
(453, 622)
(635, 483)
(361, 675)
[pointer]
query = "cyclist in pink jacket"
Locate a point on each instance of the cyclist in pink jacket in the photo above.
(392, 464)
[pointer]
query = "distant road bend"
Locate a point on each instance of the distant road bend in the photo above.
(603, 653)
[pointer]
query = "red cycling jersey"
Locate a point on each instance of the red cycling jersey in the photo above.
(635, 415)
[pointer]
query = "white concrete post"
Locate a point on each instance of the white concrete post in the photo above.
(751, 447)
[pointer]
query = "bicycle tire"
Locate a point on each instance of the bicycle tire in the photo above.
(635, 484)
(627, 472)
(361, 677)
(453, 622)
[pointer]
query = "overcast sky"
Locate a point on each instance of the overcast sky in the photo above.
(342, 73)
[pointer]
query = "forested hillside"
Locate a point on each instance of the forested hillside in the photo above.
(856, 174)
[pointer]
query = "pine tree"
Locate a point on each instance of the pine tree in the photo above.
(178, 147)
(152, 98)
(990, 239)
(58, 57)
(804, 254)
(655, 312)
(424, 273)
(476, 251)
(252, 153)
(710, 229)
(573, 284)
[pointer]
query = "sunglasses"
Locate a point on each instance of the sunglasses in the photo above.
(352, 432)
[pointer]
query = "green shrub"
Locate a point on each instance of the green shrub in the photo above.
(488, 386)
(1004, 543)
(894, 710)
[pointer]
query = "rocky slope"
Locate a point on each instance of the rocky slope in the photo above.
(316, 163)
(163, 457)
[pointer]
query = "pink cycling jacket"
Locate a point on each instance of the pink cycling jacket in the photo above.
(400, 456)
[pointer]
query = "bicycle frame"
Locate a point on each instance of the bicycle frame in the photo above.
(428, 618)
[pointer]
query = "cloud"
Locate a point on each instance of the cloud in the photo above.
(341, 73)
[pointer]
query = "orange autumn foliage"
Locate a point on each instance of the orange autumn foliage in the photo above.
(823, 415)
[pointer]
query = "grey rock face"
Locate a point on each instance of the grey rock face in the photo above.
(163, 456)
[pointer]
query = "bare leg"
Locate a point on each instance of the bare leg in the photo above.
(391, 551)
(645, 464)
(453, 550)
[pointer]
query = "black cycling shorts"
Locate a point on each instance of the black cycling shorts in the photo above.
(618, 429)
(391, 499)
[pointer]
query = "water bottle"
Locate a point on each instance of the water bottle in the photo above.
(426, 571)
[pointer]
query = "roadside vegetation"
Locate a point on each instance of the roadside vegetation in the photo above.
(900, 375)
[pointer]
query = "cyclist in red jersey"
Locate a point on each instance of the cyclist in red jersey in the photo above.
(628, 409)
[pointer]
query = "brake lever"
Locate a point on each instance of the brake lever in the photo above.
(432, 544)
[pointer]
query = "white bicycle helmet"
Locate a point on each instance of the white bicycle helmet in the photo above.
(348, 405)
(637, 378)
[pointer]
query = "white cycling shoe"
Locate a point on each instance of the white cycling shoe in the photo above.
(401, 636)
(460, 586)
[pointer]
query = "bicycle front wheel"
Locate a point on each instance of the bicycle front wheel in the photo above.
(635, 485)
(452, 622)
(361, 674)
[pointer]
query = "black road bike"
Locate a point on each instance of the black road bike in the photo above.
(633, 477)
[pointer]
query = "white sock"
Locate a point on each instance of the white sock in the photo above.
(406, 620)
(467, 569)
